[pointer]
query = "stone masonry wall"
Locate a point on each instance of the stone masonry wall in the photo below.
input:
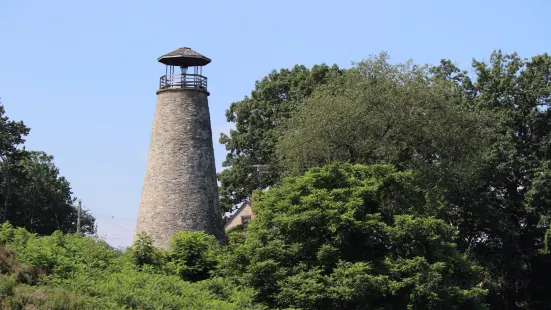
(180, 190)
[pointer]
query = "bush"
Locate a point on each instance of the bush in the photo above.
(8, 261)
(6, 233)
(194, 254)
(7, 284)
(143, 252)
(31, 297)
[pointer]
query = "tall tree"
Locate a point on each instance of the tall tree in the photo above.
(485, 143)
(32, 193)
(11, 138)
(41, 199)
(504, 213)
(250, 160)
(400, 114)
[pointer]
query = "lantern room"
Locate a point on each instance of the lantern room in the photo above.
(184, 69)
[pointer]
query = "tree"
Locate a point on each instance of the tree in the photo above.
(250, 160)
(41, 199)
(194, 253)
(504, 213)
(143, 252)
(382, 113)
(32, 193)
(11, 137)
(353, 237)
(483, 143)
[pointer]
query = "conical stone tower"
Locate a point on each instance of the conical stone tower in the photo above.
(180, 190)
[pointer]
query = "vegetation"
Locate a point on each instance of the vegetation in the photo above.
(480, 143)
(382, 186)
(32, 193)
(251, 145)
(353, 237)
(339, 237)
(76, 272)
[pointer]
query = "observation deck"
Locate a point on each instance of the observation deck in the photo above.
(186, 81)
(183, 60)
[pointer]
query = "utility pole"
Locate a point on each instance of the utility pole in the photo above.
(6, 163)
(78, 215)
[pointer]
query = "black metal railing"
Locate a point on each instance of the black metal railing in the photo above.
(190, 81)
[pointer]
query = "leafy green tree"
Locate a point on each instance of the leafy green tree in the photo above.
(484, 142)
(143, 252)
(194, 253)
(379, 112)
(11, 138)
(250, 160)
(353, 237)
(32, 193)
(503, 214)
(41, 200)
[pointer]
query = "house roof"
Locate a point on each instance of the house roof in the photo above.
(237, 212)
(184, 57)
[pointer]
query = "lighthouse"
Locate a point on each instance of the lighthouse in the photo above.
(180, 191)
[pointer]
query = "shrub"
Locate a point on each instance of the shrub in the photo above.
(6, 233)
(8, 261)
(32, 297)
(7, 284)
(143, 252)
(194, 254)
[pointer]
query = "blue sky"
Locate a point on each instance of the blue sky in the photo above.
(83, 74)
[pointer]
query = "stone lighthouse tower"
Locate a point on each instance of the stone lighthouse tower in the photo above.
(180, 190)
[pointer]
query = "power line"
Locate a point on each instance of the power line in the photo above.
(110, 221)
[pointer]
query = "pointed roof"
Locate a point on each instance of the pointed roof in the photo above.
(236, 213)
(185, 57)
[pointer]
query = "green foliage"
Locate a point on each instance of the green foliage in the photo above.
(251, 160)
(41, 198)
(378, 112)
(547, 241)
(352, 237)
(32, 193)
(481, 145)
(194, 254)
(7, 285)
(503, 214)
(133, 289)
(12, 134)
(77, 272)
(6, 233)
(32, 297)
(143, 252)
(339, 237)
(11, 137)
